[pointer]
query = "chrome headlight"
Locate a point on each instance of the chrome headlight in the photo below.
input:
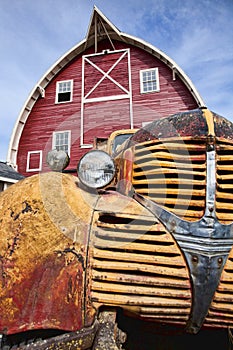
(96, 169)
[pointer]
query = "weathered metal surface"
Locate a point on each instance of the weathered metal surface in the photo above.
(136, 264)
(184, 124)
(80, 340)
(223, 127)
(44, 227)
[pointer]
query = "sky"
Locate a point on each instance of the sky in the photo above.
(196, 34)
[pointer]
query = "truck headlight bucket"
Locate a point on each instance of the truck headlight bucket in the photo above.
(96, 169)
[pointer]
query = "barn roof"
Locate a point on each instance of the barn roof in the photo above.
(8, 174)
(99, 28)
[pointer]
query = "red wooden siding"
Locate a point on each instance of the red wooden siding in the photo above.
(100, 118)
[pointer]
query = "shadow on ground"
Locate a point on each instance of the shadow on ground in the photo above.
(152, 336)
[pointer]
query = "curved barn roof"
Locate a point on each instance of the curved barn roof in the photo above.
(99, 28)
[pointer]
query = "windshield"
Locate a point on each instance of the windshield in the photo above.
(119, 140)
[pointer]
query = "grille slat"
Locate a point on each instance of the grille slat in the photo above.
(138, 300)
(164, 163)
(174, 311)
(140, 290)
(225, 186)
(142, 258)
(173, 156)
(143, 247)
(223, 297)
(131, 237)
(126, 266)
(173, 191)
(173, 181)
(173, 170)
(224, 177)
(170, 201)
(143, 279)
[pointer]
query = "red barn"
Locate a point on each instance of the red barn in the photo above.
(109, 81)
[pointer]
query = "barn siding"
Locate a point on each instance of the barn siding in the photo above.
(100, 118)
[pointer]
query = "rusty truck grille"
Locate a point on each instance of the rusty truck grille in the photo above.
(172, 172)
(224, 179)
(136, 263)
(138, 266)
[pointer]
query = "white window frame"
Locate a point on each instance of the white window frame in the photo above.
(71, 90)
(61, 132)
(156, 70)
(28, 169)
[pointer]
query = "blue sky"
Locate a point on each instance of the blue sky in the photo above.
(196, 34)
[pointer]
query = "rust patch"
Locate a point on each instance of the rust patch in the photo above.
(186, 124)
(50, 296)
(223, 127)
(42, 264)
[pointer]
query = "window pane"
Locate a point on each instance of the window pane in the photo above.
(64, 96)
(64, 91)
(62, 141)
(149, 80)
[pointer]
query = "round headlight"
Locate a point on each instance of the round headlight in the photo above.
(96, 169)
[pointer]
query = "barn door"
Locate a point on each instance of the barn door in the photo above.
(106, 94)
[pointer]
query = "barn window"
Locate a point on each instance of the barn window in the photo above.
(61, 141)
(34, 161)
(64, 91)
(149, 80)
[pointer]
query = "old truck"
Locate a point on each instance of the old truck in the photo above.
(145, 231)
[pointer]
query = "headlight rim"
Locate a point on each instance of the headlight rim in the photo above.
(111, 160)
